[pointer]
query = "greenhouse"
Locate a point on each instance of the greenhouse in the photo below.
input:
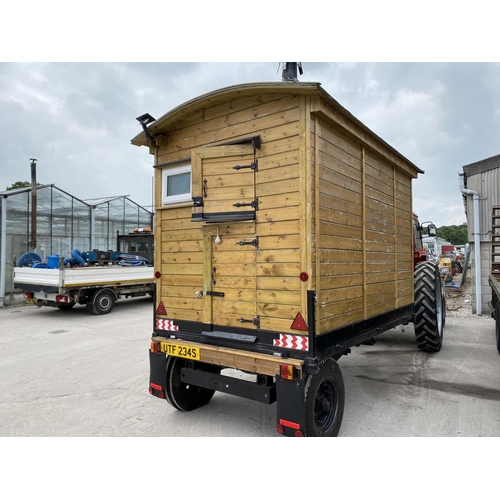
(60, 223)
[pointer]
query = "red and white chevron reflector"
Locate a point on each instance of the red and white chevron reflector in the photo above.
(300, 342)
(166, 324)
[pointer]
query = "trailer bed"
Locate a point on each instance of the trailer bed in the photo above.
(83, 276)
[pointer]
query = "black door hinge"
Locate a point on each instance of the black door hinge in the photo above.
(254, 166)
(253, 204)
(254, 242)
(255, 321)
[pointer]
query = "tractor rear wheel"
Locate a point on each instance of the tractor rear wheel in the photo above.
(430, 306)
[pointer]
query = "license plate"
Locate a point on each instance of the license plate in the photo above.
(180, 351)
(31, 301)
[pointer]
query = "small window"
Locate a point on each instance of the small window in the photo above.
(176, 185)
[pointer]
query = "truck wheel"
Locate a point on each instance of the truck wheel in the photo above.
(185, 397)
(324, 400)
(103, 301)
(429, 307)
(497, 325)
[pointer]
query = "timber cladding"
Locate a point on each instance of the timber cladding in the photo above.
(318, 194)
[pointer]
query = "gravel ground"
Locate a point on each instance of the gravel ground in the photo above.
(459, 300)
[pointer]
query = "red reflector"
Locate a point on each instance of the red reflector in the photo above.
(161, 395)
(299, 323)
(292, 425)
(157, 275)
(286, 372)
(161, 309)
(157, 387)
(303, 276)
(150, 390)
(299, 434)
(155, 347)
(29, 295)
(61, 298)
(280, 429)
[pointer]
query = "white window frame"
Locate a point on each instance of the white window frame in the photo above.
(179, 198)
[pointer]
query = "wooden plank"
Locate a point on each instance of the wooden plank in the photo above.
(179, 280)
(278, 297)
(278, 283)
(184, 269)
(182, 258)
(279, 241)
(279, 311)
(285, 255)
(278, 269)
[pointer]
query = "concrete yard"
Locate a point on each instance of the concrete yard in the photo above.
(70, 373)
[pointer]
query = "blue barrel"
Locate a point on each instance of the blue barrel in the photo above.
(53, 261)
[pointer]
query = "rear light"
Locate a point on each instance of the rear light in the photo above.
(29, 295)
(286, 372)
(155, 347)
(280, 429)
(303, 276)
(292, 425)
(62, 298)
(299, 434)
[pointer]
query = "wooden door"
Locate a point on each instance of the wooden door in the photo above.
(223, 184)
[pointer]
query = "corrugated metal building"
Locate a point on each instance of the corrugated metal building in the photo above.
(480, 186)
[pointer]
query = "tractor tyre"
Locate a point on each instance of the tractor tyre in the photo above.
(429, 307)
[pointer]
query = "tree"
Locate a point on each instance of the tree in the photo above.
(20, 184)
(456, 235)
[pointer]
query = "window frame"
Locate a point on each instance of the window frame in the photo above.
(178, 198)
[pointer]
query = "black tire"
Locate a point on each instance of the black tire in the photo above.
(324, 400)
(430, 305)
(497, 325)
(185, 397)
(65, 307)
(103, 301)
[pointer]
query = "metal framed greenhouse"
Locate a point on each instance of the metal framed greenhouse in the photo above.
(60, 223)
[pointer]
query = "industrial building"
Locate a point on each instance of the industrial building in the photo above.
(60, 223)
(480, 187)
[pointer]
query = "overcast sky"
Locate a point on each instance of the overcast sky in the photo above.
(77, 118)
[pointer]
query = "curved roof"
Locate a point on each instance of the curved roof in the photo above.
(227, 94)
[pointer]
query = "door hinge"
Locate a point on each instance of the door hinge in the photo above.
(254, 242)
(254, 166)
(253, 204)
(255, 321)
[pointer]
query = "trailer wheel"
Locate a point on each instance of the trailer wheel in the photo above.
(103, 301)
(324, 400)
(430, 305)
(186, 397)
(497, 325)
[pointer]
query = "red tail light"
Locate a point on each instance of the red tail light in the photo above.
(61, 298)
(29, 295)
(280, 429)
(155, 347)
